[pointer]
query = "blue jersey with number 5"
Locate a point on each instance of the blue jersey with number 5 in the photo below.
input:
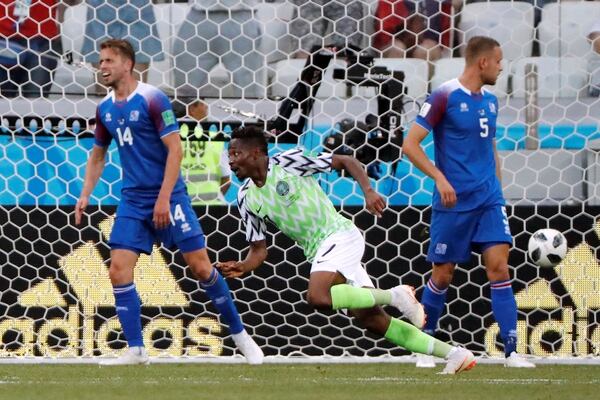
(138, 125)
(464, 130)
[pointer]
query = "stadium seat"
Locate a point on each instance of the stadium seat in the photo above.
(415, 73)
(564, 28)
(73, 29)
(557, 76)
(510, 23)
(76, 79)
(67, 77)
(287, 73)
(450, 68)
(275, 18)
(169, 18)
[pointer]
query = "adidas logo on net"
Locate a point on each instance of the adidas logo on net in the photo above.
(78, 332)
(561, 317)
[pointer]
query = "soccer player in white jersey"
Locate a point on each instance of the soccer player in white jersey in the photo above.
(281, 189)
(154, 201)
(468, 194)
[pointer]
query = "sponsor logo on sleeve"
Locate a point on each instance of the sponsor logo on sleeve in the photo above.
(168, 117)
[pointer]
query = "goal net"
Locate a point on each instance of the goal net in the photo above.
(359, 92)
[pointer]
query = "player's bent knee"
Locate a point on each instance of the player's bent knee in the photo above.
(442, 281)
(120, 274)
(374, 320)
(319, 301)
(442, 276)
(199, 264)
(201, 269)
(122, 263)
(498, 272)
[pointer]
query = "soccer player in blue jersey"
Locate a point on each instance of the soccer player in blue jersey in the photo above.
(468, 205)
(154, 201)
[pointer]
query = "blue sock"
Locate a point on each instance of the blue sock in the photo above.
(219, 293)
(433, 300)
(129, 312)
(504, 307)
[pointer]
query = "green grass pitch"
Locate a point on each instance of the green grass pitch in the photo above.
(300, 381)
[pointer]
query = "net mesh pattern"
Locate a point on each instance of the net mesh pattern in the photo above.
(245, 59)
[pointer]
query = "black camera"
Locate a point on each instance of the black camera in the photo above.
(365, 141)
(379, 137)
(361, 71)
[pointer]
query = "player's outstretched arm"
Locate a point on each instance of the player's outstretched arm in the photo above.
(373, 200)
(413, 150)
(93, 170)
(255, 257)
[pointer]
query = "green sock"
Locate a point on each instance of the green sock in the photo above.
(346, 296)
(411, 338)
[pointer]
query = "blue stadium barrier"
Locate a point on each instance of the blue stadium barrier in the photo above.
(45, 170)
(49, 170)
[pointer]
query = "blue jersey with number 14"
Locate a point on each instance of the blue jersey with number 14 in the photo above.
(138, 125)
(464, 130)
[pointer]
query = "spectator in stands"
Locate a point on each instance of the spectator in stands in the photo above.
(412, 28)
(216, 31)
(29, 46)
(594, 60)
(205, 164)
(132, 20)
(314, 17)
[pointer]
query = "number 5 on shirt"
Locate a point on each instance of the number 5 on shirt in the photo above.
(483, 124)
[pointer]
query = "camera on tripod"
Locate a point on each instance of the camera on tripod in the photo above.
(379, 137)
(362, 71)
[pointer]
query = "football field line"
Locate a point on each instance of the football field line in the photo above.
(290, 360)
(433, 380)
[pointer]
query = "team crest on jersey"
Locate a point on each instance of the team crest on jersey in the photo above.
(282, 188)
(134, 116)
(482, 112)
(121, 121)
(107, 117)
(492, 108)
(464, 107)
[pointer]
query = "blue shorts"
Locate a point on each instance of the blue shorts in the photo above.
(455, 234)
(134, 230)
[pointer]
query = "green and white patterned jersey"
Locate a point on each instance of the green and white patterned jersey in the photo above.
(292, 200)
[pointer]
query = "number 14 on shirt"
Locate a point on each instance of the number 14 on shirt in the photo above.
(125, 136)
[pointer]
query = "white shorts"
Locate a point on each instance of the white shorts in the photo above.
(342, 252)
